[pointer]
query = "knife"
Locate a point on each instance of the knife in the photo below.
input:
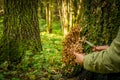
(89, 43)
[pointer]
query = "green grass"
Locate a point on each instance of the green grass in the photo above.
(47, 63)
(44, 65)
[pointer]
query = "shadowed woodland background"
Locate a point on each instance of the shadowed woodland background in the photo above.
(32, 32)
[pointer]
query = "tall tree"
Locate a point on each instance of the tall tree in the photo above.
(21, 29)
(49, 11)
(70, 12)
(65, 18)
(41, 9)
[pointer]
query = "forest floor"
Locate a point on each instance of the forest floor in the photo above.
(44, 65)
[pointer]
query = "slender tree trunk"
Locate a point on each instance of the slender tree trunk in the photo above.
(59, 3)
(41, 9)
(65, 20)
(49, 16)
(21, 29)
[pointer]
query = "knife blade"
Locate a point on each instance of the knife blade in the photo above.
(89, 43)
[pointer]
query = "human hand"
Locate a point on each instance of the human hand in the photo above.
(79, 58)
(100, 48)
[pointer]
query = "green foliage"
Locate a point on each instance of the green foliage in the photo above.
(57, 28)
(47, 61)
(42, 25)
(2, 77)
(41, 65)
(55, 25)
(15, 78)
(11, 51)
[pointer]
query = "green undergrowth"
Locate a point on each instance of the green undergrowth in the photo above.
(56, 26)
(44, 65)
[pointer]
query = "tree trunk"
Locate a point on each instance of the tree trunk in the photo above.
(49, 16)
(65, 21)
(21, 29)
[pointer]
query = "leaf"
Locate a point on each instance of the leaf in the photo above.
(32, 77)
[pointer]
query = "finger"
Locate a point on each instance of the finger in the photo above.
(98, 48)
(94, 48)
(75, 53)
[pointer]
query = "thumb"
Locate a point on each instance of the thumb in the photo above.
(75, 53)
(94, 48)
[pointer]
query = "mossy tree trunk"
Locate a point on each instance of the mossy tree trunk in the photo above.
(21, 29)
(102, 19)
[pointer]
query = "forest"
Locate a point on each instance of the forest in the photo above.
(38, 37)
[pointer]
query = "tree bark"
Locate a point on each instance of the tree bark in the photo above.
(65, 21)
(21, 29)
